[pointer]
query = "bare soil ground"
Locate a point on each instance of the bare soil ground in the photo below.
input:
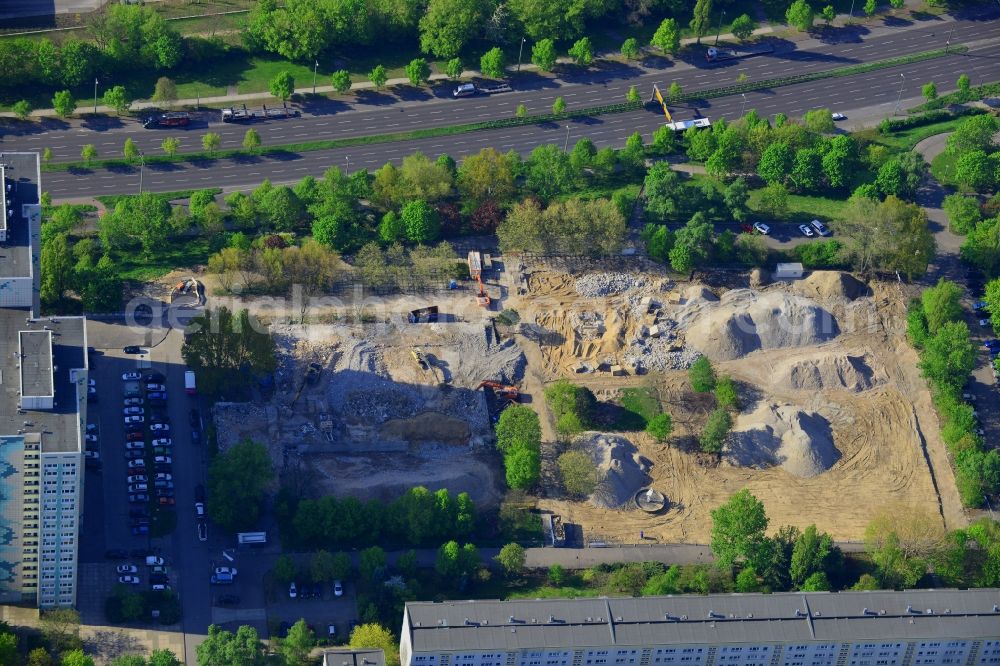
(860, 382)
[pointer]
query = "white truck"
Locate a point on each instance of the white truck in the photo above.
(189, 382)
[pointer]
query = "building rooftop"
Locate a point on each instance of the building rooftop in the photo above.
(59, 426)
(687, 619)
(23, 170)
(349, 657)
(35, 357)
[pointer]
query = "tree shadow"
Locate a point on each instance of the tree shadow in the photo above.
(282, 155)
(374, 98)
(320, 105)
(656, 62)
(102, 123)
(408, 93)
(918, 15)
(532, 81)
(165, 167)
(896, 21)
(850, 34)
(587, 121)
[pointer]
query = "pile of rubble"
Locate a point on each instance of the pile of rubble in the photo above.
(594, 285)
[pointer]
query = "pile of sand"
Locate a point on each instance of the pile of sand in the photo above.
(800, 442)
(744, 321)
(697, 293)
(824, 285)
(828, 370)
(621, 472)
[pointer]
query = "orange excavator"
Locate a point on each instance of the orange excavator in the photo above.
(482, 298)
(506, 392)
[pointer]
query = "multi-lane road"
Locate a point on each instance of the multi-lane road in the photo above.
(407, 109)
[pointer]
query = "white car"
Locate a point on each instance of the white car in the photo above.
(129, 580)
(292, 591)
(984, 322)
(90, 438)
(163, 476)
(137, 478)
(134, 419)
(138, 463)
(91, 427)
(91, 382)
(127, 569)
(762, 228)
(838, 116)
(92, 455)
(162, 441)
(131, 376)
(159, 427)
(202, 531)
(135, 446)
(129, 411)
(138, 488)
(160, 587)
(162, 460)
(338, 588)
(133, 402)
(225, 571)
(806, 230)
(154, 388)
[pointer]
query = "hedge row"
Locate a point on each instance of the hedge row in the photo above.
(888, 125)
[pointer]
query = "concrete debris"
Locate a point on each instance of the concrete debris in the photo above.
(608, 284)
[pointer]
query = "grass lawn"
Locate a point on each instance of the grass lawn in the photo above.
(943, 168)
(908, 138)
(173, 254)
(802, 208)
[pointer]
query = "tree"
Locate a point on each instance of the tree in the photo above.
(371, 564)
(800, 15)
(224, 648)
(61, 629)
(941, 304)
(726, 394)
(549, 171)
(702, 375)
(674, 92)
(57, 268)
(713, 436)
(118, 99)
(297, 644)
(22, 109)
(453, 69)
(948, 356)
(512, 557)
(170, 145)
(378, 76)
(326, 567)
(165, 91)
(251, 140)
(521, 111)
(47, 155)
(572, 406)
(929, 91)
(282, 85)
(870, 7)
(963, 213)
(743, 26)
(975, 133)
(376, 636)
(828, 14)
(64, 103)
(211, 142)
(775, 163)
(774, 200)
(667, 37)
(8, 648)
(660, 426)
(630, 48)
(76, 658)
(578, 472)
(813, 553)
(163, 657)
(221, 345)
(486, 176)
(818, 120)
(341, 80)
(543, 54)
(963, 84)
(448, 24)
(421, 221)
(582, 52)
(522, 466)
(418, 71)
(973, 170)
(738, 532)
(491, 63)
(702, 18)
(284, 570)
(88, 153)
(518, 425)
(39, 657)
(237, 479)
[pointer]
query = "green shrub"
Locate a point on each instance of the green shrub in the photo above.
(572, 406)
(702, 375)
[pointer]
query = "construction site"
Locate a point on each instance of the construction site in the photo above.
(834, 422)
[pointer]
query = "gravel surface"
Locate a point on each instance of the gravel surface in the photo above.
(607, 284)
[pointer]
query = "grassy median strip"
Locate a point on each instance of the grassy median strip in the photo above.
(433, 132)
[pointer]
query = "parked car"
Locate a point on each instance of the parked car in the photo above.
(162, 460)
(92, 455)
(331, 630)
(133, 402)
(154, 377)
(806, 230)
(132, 349)
(137, 478)
(164, 492)
(131, 376)
(196, 437)
(159, 587)
(134, 419)
(761, 228)
(135, 446)
(164, 477)
(128, 580)
(292, 591)
(134, 454)
(138, 463)
(338, 588)
(838, 116)
(138, 487)
(157, 395)
(159, 578)
(135, 436)
(127, 569)
(128, 411)
(820, 228)
(202, 531)
(159, 427)
(138, 512)
(90, 438)
(162, 441)
(138, 498)
(163, 484)
(199, 509)
(160, 450)
(165, 501)
(140, 530)
(980, 306)
(153, 387)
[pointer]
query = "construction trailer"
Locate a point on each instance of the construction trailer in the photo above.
(428, 315)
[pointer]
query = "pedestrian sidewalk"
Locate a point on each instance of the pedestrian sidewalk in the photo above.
(803, 40)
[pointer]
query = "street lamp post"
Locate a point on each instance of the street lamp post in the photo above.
(95, 95)
(719, 31)
(850, 17)
(566, 142)
(520, 50)
(899, 97)
(744, 104)
(142, 163)
(315, 68)
(947, 44)
(347, 170)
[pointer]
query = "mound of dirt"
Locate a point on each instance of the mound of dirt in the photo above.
(800, 442)
(697, 293)
(825, 285)
(427, 427)
(621, 472)
(828, 371)
(744, 321)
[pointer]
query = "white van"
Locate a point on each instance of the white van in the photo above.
(465, 90)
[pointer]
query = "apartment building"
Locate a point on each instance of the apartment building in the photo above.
(914, 627)
(43, 405)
